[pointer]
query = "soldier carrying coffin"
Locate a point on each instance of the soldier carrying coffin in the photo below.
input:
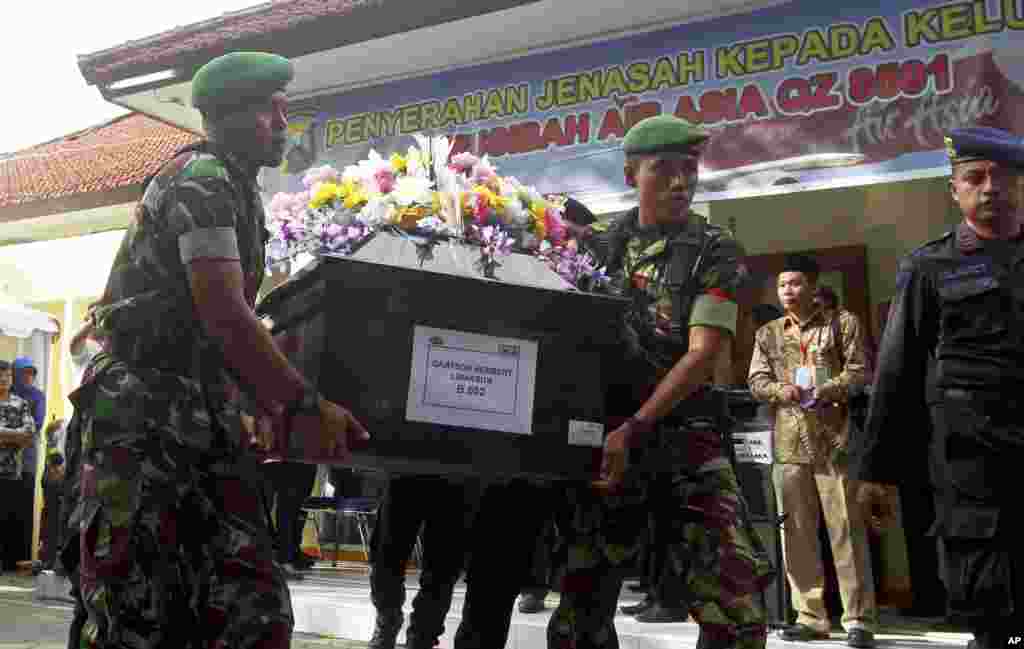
(175, 550)
(668, 460)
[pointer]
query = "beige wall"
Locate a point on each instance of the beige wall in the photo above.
(890, 219)
(8, 348)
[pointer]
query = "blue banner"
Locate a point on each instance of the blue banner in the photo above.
(792, 93)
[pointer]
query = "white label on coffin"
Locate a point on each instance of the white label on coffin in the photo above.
(472, 380)
(586, 433)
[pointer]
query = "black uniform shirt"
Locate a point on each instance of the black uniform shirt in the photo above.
(955, 323)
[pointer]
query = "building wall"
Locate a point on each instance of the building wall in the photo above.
(889, 219)
(8, 348)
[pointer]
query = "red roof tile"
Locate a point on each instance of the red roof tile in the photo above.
(119, 153)
(211, 37)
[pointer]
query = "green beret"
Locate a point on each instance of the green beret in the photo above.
(664, 133)
(236, 79)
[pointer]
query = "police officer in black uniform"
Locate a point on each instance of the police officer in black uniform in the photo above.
(954, 350)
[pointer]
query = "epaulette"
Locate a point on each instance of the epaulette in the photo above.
(205, 165)
(926, 247)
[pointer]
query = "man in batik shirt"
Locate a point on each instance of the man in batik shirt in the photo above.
(806, 363)
(668, 460)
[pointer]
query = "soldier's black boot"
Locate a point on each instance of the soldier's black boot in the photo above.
(385, 629)
(659, 613)
(429, 609)
(426, 624)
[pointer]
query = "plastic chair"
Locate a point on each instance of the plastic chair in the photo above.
(359, 509)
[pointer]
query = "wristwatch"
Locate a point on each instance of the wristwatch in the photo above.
(307, 404)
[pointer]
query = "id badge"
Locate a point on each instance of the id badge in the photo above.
(804, 378)
(820, 376)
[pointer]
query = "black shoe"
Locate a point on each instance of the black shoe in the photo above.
(636, 609)
(860, 638)
(531, 603)
(801, 633)
(385, 630)
(659, 614)
(291, 573)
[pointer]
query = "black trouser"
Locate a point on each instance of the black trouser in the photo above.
(977, 449)
(917, 508)
(52, 527)
(510, 518)
(292, 482)
(17, 498)
(439, 506)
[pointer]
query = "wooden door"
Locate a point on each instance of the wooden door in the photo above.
(844, 269)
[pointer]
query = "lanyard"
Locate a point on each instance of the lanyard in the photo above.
(804, 345)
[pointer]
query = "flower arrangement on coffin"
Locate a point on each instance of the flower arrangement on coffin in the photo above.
(427, 195)
(574, 265)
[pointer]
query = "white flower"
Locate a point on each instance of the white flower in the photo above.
(412, 189)
(376, 212)
(364, 171)
(414, 163)
(516, 213)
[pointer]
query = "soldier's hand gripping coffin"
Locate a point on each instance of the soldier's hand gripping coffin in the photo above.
(454, 373)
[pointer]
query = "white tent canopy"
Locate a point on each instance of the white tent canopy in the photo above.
(58, 269)
(19, 321)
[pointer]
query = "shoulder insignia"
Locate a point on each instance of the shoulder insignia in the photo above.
(205, 166)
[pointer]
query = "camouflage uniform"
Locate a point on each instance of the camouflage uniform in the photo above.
(683, 481)
(174, 545)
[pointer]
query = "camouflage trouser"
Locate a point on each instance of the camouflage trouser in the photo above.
(175, 550)
(715, 557)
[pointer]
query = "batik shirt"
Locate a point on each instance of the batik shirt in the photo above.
(15, 416)
(638, 260)
(202, 204)
(782, 346)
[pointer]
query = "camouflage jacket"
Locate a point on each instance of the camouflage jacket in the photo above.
(809, 436)
(200, 204)
(671, 291)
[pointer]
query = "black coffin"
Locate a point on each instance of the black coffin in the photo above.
(357, 320)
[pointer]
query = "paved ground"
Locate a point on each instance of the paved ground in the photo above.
(337, 602)
(28, 624)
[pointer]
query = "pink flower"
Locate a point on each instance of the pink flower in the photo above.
(385, 180)
(280, 207)
(463, 161)
(320, 175)
(483, 173)
(554, 225)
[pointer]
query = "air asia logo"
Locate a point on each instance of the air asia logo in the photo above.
(302, 150)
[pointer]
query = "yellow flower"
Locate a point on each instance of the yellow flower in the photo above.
(490, 198)
(325, 195)
(435, 203)
(538, 210)
(356, 198)
(398, 163)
